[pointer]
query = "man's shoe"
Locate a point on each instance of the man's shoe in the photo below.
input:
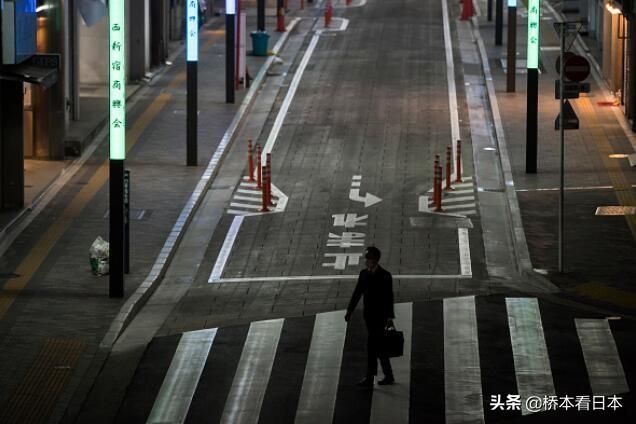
(365, 382)
(386, 381)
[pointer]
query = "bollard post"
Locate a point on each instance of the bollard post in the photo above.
(328, 12)
(259, 170)
(467, 10)
(348, 2)
(302, 4)
(264, 192)
(280, 17)
(250, 161)
(458, 163)
(449, 158)
(435, 193)
(438, 205)
(268, 162)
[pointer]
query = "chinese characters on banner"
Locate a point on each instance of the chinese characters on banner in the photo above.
(534, 13)
(192, 15)
(117, 72)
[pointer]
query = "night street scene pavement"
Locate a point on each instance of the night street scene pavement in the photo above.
(318, 211)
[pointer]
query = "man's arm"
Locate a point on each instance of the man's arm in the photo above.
(355, 298)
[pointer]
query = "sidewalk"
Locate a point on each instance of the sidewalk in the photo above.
(599, 250)
(53, 312)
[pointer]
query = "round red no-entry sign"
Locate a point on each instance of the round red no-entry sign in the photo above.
(577, 68)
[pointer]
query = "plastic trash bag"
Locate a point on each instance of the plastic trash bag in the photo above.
(98, 256)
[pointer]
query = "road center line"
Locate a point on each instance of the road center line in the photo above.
(464, 252)
(450, 78)
(224, 254)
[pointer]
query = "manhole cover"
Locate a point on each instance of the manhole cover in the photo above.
(616, 210)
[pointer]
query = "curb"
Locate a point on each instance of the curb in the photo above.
(518, 236)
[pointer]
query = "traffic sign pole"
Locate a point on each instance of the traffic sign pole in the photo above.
(562, 149)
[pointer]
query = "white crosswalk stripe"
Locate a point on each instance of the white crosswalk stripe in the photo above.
(319, 384)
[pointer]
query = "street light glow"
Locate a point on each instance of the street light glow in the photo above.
(534, 13)
(192, 42)
(117, 71)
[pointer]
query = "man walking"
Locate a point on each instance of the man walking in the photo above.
(375, 284)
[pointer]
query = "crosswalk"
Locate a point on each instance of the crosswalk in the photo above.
(458, 201)
(460, 354)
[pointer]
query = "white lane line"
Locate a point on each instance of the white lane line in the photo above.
(322, 372)
(248, 184)
(224, 254)
(452, 90)
(282, 113)
(237, 212)
(178, 387)
(458, 199)
(244, 401)
(245, 205)
(422, 205)
(333, 277)
(244, 191)
(603, 364)
(247, 198)
(462, 372)
(462, 206)
(355, 184)
(464, 252)
(390, 404)
(470, 190)
(571, 188)
(357, 177)
(530, 354)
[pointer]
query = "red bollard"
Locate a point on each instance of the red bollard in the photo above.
(467, 10)
(348, 2)
(458, 163)
(259, 167)
(280, 19)
(449, 155)
(328, 13)
(250, 161)
(302, 4)
(264, 199)
(438, 205)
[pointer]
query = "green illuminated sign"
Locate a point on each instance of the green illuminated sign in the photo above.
(117, 69)
(534, 12)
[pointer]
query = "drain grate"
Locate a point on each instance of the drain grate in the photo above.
(616, 210)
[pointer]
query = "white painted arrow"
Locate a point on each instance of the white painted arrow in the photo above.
(368, 199)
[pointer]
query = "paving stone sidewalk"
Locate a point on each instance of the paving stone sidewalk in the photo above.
(63, 302)
(599, 251)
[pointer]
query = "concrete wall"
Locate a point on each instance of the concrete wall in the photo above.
(93, 52)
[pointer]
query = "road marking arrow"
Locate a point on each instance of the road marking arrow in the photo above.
(368, 199)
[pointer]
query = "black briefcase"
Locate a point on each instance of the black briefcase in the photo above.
(392, 343)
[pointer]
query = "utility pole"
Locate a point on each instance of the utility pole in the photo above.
(230, 15)
(512, 47)
(260, 15)
(192, 61)
(533, 85)
(499, 23)
(117, 141)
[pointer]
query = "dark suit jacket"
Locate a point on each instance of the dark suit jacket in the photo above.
(376, 288)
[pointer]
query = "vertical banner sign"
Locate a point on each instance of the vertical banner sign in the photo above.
(512, 3)
(533, 33)
(117, 80)
(193, 31)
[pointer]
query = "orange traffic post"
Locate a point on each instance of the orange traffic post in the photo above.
(449, 158)
(458, 162)
(348, 2)
(467, 10)
(259, 167)
(328, 13)
(264, 200)
(250, 161)
(280, 19)
(438, 205)
(302, 4)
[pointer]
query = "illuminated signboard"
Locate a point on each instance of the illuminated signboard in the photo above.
(534, 12)
(230, 7)
(512, 3)
(192, 43)
(117, 107)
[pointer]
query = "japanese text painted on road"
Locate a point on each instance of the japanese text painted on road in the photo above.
(534, 14)
(117, 71)
(192, 16)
